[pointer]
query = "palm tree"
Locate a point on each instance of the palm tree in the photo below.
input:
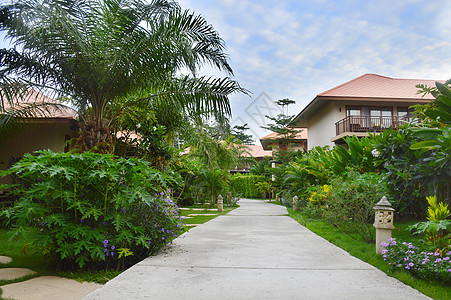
(99, 52)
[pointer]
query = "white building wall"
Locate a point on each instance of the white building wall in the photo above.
(321, 127)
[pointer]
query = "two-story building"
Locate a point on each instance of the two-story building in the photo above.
(369, 103)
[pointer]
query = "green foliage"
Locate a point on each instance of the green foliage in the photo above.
(422, 264)
(80, 208)
(213, 182)
(262, 167)
(406, 182)
(435, 140)
(347, 203)
(436, 229)
(141, 136)
(238, 132)
(358, 156)
(436, 211)
(247, 185)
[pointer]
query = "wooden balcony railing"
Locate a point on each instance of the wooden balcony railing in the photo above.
(368, 124)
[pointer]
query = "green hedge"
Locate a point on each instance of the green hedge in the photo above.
(246, 185)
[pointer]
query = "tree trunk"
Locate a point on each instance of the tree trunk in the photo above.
(95, 137)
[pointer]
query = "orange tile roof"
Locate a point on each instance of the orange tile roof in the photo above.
(255, 151)
(377, 86)
(300, 135)
(35, 97)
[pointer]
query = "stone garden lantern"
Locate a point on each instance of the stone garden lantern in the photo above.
(383, 222)
(295, 202)
(220, 202)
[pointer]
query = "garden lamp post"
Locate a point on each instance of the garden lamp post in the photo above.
(383, 222)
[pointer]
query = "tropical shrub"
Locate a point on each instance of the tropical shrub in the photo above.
(436, 229)
(92, 209)
(350, 205)
(422, 264)
(346, 203)
(435, 138)
(247, 185)
(401, 168)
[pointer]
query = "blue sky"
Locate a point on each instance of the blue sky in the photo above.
(298, 49)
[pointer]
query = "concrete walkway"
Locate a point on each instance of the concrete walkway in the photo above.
(254, 252)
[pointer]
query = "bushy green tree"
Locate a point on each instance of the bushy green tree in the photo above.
(97, 53)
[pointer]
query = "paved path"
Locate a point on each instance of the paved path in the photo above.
(254, 252)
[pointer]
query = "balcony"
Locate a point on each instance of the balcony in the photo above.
(362, 124)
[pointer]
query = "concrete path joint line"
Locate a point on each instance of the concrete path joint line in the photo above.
(269, 268)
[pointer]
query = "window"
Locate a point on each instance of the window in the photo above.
(377, 117)
(405, 114)
(353, 111)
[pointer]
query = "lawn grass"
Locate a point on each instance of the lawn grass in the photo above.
(367, 252)
(205, 210)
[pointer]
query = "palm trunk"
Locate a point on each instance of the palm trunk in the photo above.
(95, 137)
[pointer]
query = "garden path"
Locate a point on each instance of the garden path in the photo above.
(254, 252)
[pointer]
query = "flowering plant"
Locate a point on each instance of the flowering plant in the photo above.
(422, 264)
(90, 208)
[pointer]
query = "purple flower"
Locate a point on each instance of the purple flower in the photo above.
(112, 247)
(167, 231)
(125, 186)
(384, 244)
(384, 251)
(449, 270)
(106, 253)
(162, 229)
(105, 250)
(43, 223)
(162, 193)
(446, 258)
(411, 264)
(82, 220)
(178, 225)
(150, 242)
(105, 241)
(104, 223)
(162, 238)
(112, 253)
